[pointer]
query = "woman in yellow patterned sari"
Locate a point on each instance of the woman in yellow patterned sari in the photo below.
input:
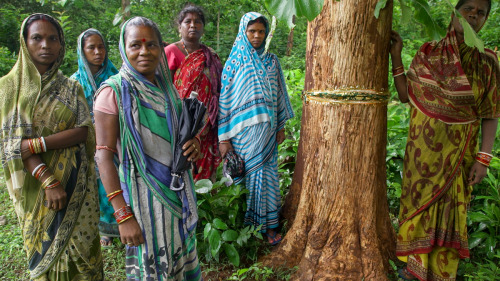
(453, 93)
(47, 156)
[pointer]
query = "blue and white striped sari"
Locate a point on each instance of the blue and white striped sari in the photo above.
(253, 107)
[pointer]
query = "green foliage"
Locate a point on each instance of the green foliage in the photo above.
(221, 226)
(286, 9)
(7, 60)
(258, 272)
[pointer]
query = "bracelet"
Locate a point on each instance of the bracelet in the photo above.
(114, 194)
(199, 139)
(47, 181)
(484, 158)
(398, 68)
(44, 145)
(399, 74)
(224, 141)
(55, 184)
(36, 169)
(124, 219)
(40, 172)
(105, 147)
(123, 214)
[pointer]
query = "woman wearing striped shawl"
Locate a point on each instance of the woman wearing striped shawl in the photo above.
(136, 113)
(253, 109)
(94, 67)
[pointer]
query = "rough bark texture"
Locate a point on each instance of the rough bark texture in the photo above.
(340, 226)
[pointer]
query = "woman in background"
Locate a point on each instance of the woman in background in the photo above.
(254, 107)
(94, 67)
(197, 68)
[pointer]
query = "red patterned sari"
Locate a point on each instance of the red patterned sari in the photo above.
(451, 88)
(200, 72)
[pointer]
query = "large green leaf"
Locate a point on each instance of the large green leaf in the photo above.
(219, 224)
(380, 5)
(230, 235)
(424, 16)
(232, 254)
(406, 12)
(470, 36)
(286, 9)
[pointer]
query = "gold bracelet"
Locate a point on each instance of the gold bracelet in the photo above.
(48, 180)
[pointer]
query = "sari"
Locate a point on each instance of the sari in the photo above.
(148, 118)
(200, 72)
(62, 245)
(451, 88)
(90, 83)
(254, 105)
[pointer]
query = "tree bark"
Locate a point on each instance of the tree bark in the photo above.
(337, 206)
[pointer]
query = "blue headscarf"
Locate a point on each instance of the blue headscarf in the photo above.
(252, 83)
(89, 82)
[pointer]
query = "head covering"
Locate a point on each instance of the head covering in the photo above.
(20, 90)
(83, 75)
(136, 92)
(251, 82)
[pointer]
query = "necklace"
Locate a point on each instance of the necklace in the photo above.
(184, 46)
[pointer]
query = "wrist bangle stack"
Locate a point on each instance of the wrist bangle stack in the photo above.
(105, 147)
(114, 194)
(484, 158)
(123, 214)
(39, 171)
(398, 71)
(46, 184)
(37, 145)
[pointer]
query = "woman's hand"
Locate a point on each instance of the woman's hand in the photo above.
(396, 44)
(192, 149)
(131, 233)
(55, 198)
(25, 149)
(224, 148)
(280, 136)
(477, 173)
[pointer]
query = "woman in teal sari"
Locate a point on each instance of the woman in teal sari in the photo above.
(137, 115)
(94, 67)
(47, 153)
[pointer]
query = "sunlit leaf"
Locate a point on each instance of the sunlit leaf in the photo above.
(230, 235)
(424, 16)
(285, 9)
(406, 12)
(470, 36)
(219, 224)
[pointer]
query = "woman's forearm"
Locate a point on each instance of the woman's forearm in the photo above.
(67, 138)
(400, 81)
(488, 132)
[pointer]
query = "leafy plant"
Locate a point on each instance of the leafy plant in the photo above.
(258, 272)
(221, 228)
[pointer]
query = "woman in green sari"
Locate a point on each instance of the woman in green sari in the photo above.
(47, 156)
(453, 93)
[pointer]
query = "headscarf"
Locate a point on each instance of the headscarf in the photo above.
(83, 75)
(133, 87)
(439, 82)
(20, 90)
(248, 78)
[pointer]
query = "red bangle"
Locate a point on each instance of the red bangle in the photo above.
(123, 214)
(111, 196)
(105, 147)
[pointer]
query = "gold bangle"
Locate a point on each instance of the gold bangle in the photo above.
(48, 180)
(113, 193)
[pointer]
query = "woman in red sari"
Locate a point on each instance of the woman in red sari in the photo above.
(198, 68)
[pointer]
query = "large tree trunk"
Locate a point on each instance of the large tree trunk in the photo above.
(340, 226)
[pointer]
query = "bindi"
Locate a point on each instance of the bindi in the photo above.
(143, 40)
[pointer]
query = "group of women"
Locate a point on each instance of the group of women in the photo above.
(49, 143)
(50, 147)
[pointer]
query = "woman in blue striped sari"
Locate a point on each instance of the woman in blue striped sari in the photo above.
(136, 114)
(253, 109)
